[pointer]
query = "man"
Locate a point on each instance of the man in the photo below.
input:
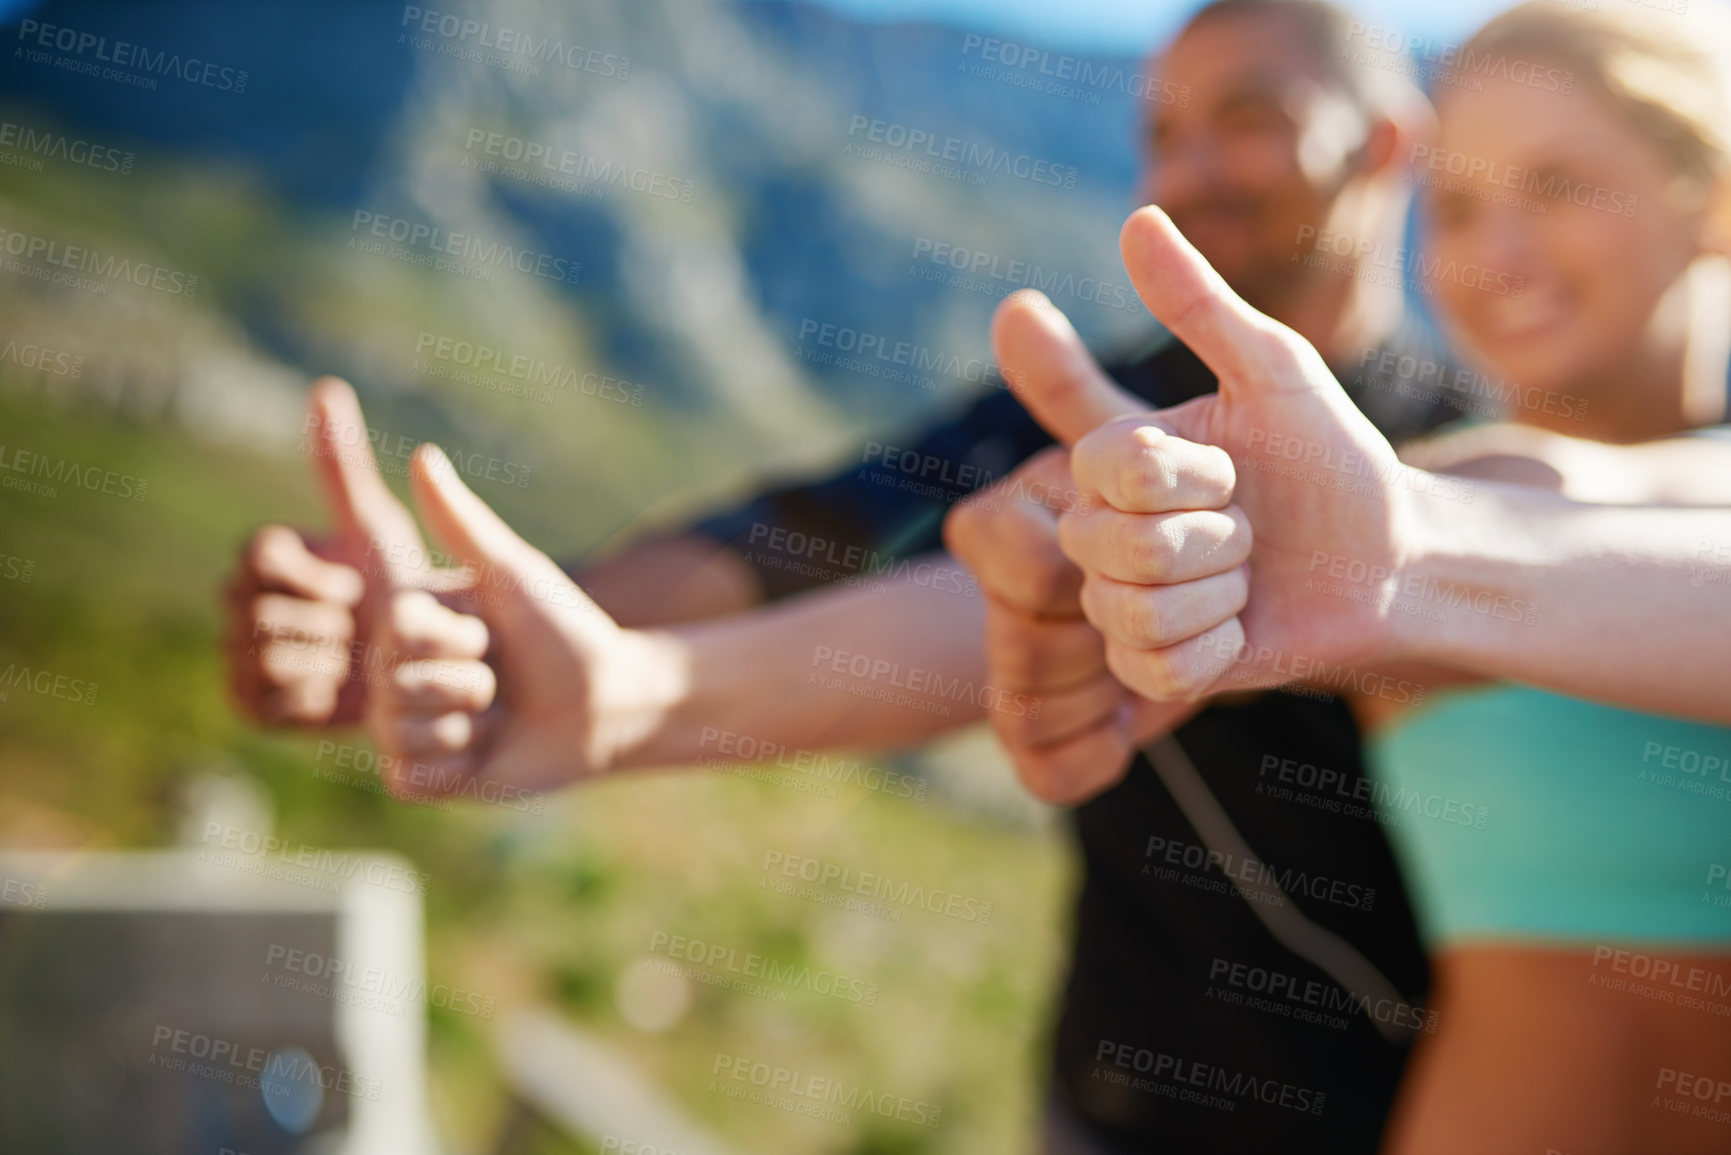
(1178, 984)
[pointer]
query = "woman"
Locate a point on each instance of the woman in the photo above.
(1591, 168)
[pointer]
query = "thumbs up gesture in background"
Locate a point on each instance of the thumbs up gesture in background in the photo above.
(366, 623)
(297, 632)
(565, 690)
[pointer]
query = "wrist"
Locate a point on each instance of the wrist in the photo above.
(1458, 602)
(638, 702)
(1421, 533)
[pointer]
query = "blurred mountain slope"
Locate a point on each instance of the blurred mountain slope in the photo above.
(704, 303)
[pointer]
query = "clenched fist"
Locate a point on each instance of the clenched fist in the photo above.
(1038, 642)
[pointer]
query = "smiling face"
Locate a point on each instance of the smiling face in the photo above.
(1594, 276)
(1260, 145)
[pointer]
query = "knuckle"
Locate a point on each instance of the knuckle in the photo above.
(1184, 675)
(450, 732)
(1147, 441)
(1145, 431)
(1140, 669)
(1206, 659)
(485, 688)
(460, 728)
(406, 678)
(469, 635)
(1166, 681)
(1213, 654)
(1152, 475)
(1153, 547)
(1136, 481)
(407, 614)
(1169, 536)
(272, 674)
(293, 664)
(1141, 615)
(475, 684)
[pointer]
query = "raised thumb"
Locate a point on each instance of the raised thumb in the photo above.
(499, 560)
(367, 513)
(1050, 370)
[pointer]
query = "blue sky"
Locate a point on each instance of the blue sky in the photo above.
(1134, 25)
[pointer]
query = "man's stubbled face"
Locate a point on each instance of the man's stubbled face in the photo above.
(1257, 146)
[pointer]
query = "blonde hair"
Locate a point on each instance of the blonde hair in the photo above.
(1665, 74)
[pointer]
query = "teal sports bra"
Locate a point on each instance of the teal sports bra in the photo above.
(1519, 814)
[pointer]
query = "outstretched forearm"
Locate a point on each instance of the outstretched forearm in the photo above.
(668, 579)
(881, 665)
(1684, 470)
(1626, 604)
